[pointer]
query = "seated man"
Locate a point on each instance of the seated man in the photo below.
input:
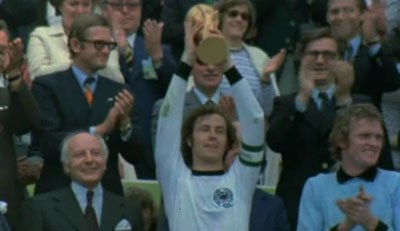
(359, 196)
(198, 193)
(85, 204)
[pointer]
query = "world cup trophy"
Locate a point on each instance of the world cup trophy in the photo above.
(209, 49)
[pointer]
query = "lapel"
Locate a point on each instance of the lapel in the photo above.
(328, 118)
(320, 122)
(191, 101)
(362, 68)
(73, 96)
(66, 204)
(312, 115)
(113, 212)
(4, 110)
(139, 52)
(103, 100)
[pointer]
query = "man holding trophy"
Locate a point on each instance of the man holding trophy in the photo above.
(199, 192)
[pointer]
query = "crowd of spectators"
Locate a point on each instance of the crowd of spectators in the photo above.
(87, 82)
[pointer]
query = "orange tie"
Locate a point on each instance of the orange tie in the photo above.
(88, 91)
(129, 60)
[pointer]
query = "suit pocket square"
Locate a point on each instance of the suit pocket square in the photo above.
(123, 225)
(110, 99)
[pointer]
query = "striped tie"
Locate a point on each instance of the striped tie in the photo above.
(129, 61)
(87, 90)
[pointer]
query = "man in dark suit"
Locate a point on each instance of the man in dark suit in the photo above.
(300, 122)
(78, 98)
(375, 70)
(18, 114)
(146, 64)
(85, 205)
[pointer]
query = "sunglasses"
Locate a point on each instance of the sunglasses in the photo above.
(235, 13)
(99, 45)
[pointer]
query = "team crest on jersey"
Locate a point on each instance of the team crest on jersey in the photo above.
(223, 197)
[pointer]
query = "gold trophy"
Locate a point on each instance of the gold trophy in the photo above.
(210, 49)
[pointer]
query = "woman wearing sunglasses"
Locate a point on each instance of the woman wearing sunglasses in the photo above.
(48, 51)
(237, 19)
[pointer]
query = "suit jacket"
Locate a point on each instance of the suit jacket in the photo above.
(60, 211)
(302, 139)
(375, 75)
(267, 213)
(18, 113)
(278, 24)
(147, 92)
(63, 109)
(191, 102)
(47, 52)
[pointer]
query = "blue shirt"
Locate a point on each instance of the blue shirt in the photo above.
(81, 77)
(315, 96)
(319, 211)
(203, 98)
(80, 194)
(355, 45)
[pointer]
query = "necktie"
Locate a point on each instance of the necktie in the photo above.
(210, 103)
(129, 61)
(324, 101)
(88, 91)
(90, 213)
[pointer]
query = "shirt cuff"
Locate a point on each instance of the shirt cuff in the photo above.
(301, 107)
(92, 130)
(126, 135)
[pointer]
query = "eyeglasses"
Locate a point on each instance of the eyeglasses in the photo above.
(99, 45)
(120, 5)
(235, 13)
(327, 55)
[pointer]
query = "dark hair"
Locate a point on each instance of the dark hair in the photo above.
(344, 122)
(188, 127)
(224, 5)
(317, 34)
(83, 23)
(145, 200)
(314, 35)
